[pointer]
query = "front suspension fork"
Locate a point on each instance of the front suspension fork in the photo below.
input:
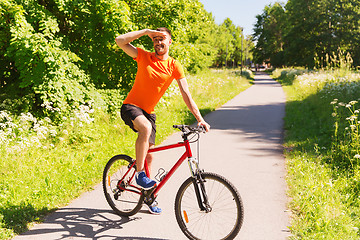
(199, 186)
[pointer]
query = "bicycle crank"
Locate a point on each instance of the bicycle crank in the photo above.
(149, 197)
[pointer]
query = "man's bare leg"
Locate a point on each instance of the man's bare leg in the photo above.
(144, 128)
(149, 159)
(142, 145)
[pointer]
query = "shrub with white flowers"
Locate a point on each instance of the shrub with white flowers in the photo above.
(24, 131)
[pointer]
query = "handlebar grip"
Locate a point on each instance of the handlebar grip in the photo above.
(202, 128)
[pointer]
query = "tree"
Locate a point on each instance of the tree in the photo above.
(317, 29)
(268, 33)
(231, 45)
(305, 33)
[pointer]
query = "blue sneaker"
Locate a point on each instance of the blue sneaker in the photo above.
(143, 181)
(154, 209)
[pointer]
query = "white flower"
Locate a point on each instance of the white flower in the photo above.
(351, 118)
(357, 156)
(353, 102)
(53, 132)
(334, 102)
(46, 119)
(5, 116)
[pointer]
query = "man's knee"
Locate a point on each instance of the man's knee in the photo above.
(142, 125)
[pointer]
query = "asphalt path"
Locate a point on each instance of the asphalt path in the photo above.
(244, 145)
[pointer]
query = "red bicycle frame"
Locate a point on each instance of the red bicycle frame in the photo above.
(187, 154)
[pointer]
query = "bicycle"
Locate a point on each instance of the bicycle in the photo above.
(207, 206)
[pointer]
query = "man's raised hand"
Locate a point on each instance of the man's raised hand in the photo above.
(155, 33)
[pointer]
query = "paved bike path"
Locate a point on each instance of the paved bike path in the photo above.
(244, 145)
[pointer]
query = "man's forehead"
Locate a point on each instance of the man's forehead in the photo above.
(161, 37)
(158, 37)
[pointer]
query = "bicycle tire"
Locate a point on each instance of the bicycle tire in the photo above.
(123, 202)
(222, 222)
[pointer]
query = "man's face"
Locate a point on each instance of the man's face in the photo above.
(162, 44)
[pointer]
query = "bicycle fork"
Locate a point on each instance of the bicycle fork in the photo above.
(199, 185)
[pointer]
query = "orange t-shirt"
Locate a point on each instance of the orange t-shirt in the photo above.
(152, 79)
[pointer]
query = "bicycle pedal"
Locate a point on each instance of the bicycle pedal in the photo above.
(148, 192)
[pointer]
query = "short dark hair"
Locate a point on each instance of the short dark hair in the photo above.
(164, 29)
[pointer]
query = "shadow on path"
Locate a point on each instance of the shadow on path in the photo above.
(72, 223)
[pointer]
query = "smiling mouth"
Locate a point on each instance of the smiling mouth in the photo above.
(159, 46)
(159, 49)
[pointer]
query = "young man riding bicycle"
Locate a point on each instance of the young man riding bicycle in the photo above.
(155, 73)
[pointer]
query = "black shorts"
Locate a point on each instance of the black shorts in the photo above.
(130, 112)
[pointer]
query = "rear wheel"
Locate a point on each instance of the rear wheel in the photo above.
(120, 190)
(220, 217)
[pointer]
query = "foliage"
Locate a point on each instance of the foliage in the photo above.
(42, 67)
(88, 29)
(268, 33)
(303, 33)
(233, 49)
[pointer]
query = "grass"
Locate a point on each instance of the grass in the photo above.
(322, 147)
(42, 174)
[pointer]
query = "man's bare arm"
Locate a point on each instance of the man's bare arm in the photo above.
(190, 103)
(124, 40)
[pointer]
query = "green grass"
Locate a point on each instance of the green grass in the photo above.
(323, 171)
(37, 180)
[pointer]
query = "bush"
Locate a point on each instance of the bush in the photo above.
(42, 67)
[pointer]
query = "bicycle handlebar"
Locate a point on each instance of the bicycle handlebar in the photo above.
(187, 129)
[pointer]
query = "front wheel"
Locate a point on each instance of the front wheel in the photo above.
(219, 213)
(120, 190)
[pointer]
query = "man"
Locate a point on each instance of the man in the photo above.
(155, 73)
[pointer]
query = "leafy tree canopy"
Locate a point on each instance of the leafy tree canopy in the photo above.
(306, 33)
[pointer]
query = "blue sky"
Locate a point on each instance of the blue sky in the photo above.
(241, 12)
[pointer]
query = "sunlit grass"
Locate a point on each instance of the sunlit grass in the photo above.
(322, 146)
